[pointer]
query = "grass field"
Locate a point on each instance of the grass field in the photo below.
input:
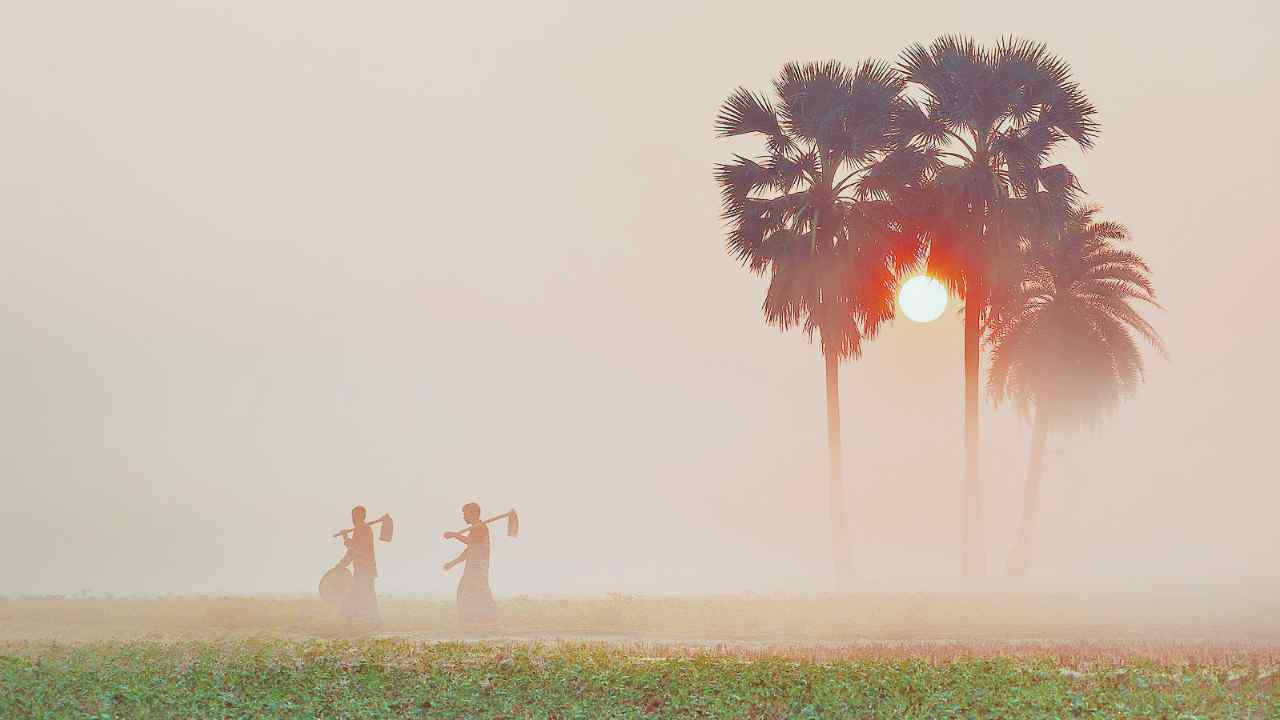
(617, 657)
(385, 678)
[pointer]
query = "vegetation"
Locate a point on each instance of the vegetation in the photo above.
(943, 160)
(382, 678)
(1012, 655)
(1064, 346)
(815, 214)
(994, 116)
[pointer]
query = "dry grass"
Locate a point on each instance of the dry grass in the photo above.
(1072, 631)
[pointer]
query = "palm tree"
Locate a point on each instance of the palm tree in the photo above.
(816, 214)
(1064, 346)
(994, 116)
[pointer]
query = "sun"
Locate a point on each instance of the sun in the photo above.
(922, 299)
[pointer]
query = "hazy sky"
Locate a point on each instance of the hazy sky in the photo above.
(265, 260)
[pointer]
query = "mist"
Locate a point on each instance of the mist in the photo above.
(266, 261)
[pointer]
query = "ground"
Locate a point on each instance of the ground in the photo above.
(868, 655)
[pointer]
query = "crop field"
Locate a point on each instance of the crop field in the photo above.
(630, 657)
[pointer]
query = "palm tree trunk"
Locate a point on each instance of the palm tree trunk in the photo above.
(1020, 557)
(840, 550)
(975, 558)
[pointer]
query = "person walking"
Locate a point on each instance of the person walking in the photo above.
(360, 604)
(476, 608)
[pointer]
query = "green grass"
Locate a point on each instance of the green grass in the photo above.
(386, 678)
(1010, 655)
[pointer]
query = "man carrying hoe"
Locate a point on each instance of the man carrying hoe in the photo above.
(476, 608)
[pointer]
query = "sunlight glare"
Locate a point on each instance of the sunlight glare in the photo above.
(922, 299)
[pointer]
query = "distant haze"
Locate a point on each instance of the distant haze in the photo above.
(266, 260)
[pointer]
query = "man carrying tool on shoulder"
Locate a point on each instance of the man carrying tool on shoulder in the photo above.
(361, 601)
(476, 608)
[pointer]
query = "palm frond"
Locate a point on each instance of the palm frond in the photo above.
(1065, 340)
(829, 241)
(1061, 184)
(745, 112)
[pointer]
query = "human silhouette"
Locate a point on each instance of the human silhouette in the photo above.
(361, 601)
(476, 608)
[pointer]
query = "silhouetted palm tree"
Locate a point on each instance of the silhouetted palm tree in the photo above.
(994, 116)
(816, 213)
(1063, 344)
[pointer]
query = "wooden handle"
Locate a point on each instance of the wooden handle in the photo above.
(371, 522)
(486, 522)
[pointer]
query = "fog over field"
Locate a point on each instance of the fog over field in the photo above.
(264, 261)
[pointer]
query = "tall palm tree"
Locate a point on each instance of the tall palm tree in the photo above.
(995, 117)
(1064, 346)
(815, 213)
